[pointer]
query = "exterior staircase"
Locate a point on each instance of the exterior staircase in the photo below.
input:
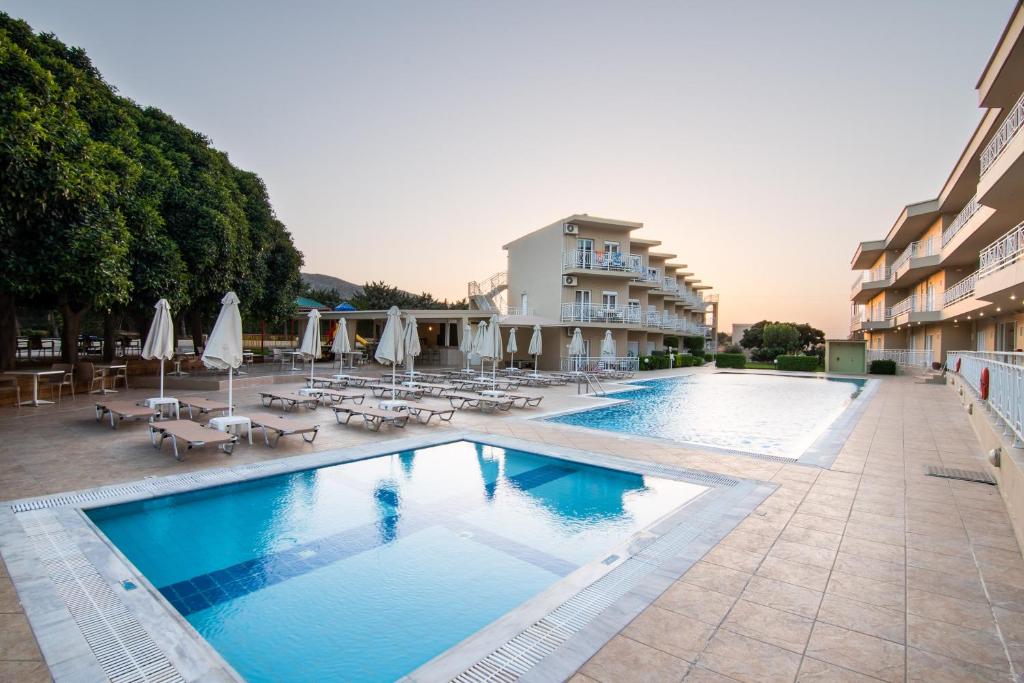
(488, 295)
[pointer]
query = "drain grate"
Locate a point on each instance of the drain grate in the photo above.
(956, 473)
(123, 648)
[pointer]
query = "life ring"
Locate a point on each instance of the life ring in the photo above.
(984, 384)
(957, 368)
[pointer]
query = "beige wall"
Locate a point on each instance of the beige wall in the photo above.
(535, 267)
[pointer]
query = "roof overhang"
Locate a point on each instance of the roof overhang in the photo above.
(584, 220)
(1002, 80)
(698, 288)
(911, 222)
(641, 242)
(867, 253)
(661, 255)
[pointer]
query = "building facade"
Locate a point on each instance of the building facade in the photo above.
(949, 274)
(597, 275)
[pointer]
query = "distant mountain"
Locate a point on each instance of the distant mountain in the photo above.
(346, 289)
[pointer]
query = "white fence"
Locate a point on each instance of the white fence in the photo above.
(1001, 253)
(595, 364)
(1011, 124)
(913, 358)
(1005, 387)
(587, 313)
(588, 259)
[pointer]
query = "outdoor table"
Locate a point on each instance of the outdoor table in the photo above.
(106, 373)
(178, 358)
(393, 405)
(293, 354)
(161, 403)
(225, 423)
(35, 375)
(247, 357)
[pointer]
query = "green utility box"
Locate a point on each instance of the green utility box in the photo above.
(846, 355)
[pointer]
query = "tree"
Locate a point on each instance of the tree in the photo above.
(781, 336)
(810, 337)
(724, 338)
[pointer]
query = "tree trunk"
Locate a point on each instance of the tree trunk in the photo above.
(195, 321)
(72, 325)
(109, 338)
(8, 332)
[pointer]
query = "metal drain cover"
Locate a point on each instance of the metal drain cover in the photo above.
(964, 475)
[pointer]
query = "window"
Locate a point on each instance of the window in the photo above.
(583, 297)
(609, 299)
(584, 253)
(612, 248)
(524, 304)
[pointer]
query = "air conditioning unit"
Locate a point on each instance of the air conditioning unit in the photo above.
(569, 280)
(571, 228)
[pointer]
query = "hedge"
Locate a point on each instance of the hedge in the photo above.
(882, 367)
(799, 363)
(730, 360)
(694, 343)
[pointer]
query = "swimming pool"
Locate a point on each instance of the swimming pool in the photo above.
(366, 570)
(773, 415)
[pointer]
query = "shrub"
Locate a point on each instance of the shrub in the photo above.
(766, 355)
(799, 363)
(730, 360)
(672, 341)
(699, 355)
(694, 343)
(733, 348)
(882, 367)
(781, 336)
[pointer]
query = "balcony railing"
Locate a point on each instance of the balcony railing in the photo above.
(669, 284)
(1006, 383)
(1011, 124)
(928, 247)
(1003, 252)
(608, 261)
(961, 290)
(907, 357)
(587, 313)
(879, 274)
(600, 363)
(961, 219)
(649, 275)
(905, 306)
(653, 319)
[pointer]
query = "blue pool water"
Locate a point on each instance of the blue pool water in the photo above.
(762, 414)
(366, 570)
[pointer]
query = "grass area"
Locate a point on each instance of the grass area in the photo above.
(755, 365)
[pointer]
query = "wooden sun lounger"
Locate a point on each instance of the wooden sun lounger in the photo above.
(487, 404)
(191, 434)
(373, 418)
(424, 412)
(289, 399)
(124, 410)
(331, 396)
(279, 425)
(379, 389)
(203, 405)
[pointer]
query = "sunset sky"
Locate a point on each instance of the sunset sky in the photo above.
(407, 142)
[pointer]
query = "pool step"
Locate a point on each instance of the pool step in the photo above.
(931, 377)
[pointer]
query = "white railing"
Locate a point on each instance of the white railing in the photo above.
(653, 319)
(517, 310)
(649, 275)
(907, 357)
(669, 284)
(1005, 383)
(876, 275)
(691, 328)
(1011, 124)
(611, 261)
(928, 247)
(1004, 251)
(669, 322)
(905, 306)
(598, 363)
(961, 290)
(961, 219)
(600, 314)
(859, 315)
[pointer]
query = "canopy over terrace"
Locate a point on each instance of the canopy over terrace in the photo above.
(439, 331)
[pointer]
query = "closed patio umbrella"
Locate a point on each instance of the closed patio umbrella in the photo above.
(412, 341)
(391, 348)
(224, 346)
(576, 346)
(341, 344)
(536, 347)
(512, 345)
(478, 340)
(493, 347)
(608, 345)
(466, 341)
(160, 340)
(311, 341)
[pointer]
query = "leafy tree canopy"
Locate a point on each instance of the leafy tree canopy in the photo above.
(809, 338)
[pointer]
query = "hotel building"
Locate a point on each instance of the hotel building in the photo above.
(949, 273)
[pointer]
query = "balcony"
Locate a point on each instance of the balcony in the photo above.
(653, 319)
(586, 313)
(913, 309)
(870, 282)
(649, 276)
(997, 145)
(602, 262)
(670, 285)
(960, 221)
(1002, 164)
(917, 260)
(1001, 270)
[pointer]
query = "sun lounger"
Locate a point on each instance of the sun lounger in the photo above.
(124, 410)
(203, 405)
(379, 389)
(279, 425)
(432, 388)
(424, 412)
(487, 404)
(373, 418)
(520, 400)
(191, 435)
(324, 382)
(330, 396)
(289, 399)
(352, 380)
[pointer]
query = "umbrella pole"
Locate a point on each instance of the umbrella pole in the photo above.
(161, 378)
(230, 395)
(534, 365)
(392, 380)
(312, 364)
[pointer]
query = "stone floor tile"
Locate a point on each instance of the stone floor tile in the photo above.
(862, 617)
(803, 554)
(878, 593)
(623, 660)
(978, 647)
(818, 523)
(872, 549)
(804, 575)
(937, 545)
(784, 629)
(856, 651)
(8, 596)
(753, 543)
(869, 568)
(669, 632)
(970, 614)
(24, 672)
(963, 586)
(16, 639)
(783, 596)
(818, 539)
(698, 674)
(816, 671)
(717, 578)
(928, 667)
(696, 602)
(734, 558)
(749, 660)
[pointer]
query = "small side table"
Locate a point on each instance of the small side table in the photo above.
(393, 405)
(493, 393)
(162, 403)
(226, 423)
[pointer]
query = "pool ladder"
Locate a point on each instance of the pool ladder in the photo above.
(593, 383)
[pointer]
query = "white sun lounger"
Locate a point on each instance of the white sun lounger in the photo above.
(191, 435)
(289, 399)
(279, 425)
(124, 410)
(486, 404)
(373, 418)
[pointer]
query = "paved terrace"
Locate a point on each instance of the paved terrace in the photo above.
(866, 571)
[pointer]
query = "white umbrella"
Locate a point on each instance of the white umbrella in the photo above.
(412, 340)
(608, 345)
(512, 345)
(536, 347)
(311, 341)
(492, 346)
(478, 340)
(466, 342)
(160, 341)
(224, 346)
(391, 347)
(576, 346)
(341, 344)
